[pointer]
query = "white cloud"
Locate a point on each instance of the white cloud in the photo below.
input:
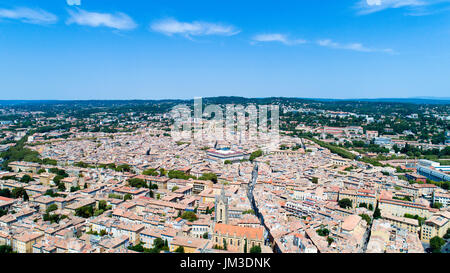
(117, 20)
(374, 2)
(416, 7)
(27, 15)
(73, 2)
(281, 38)
(277, 37)
(328, 43)
(351, 46)
(173, 27)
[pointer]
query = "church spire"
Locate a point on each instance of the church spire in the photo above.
(222, 207)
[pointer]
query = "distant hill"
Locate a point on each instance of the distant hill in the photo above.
(433, 98)
(409, 100)
(236, 100)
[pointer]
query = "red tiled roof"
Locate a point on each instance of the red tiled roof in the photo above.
(247, 232)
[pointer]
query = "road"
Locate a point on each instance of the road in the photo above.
(252, 183)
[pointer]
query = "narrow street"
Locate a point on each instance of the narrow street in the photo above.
(252, 183)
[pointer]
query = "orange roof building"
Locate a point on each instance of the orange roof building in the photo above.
(236, 237)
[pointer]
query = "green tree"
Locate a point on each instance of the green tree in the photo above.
(345, 203)
(377, 213)
(98, 212)
(127, 196)
(85, 212)
(447, 234)
(50, 193)
(323, 232)
(59, 172)
(417, 217)
(81, 164)
(209, 176)
(137, 183)
(102, 205)
(5, 193)
(158, 243)
(123, 168)
(255, 249)
(436, 243)
(51, 208)
(151, 172)
(26, 178)
(115, 196)
(189, 215)
(138, 247)
(20, 192)
(4, 249)
(255, 155)
(180, 249)
(179, 175)
(330, 240)
(366, 218)
(19, 153)
(74, 189)
(57, 179)
(61, 187)
(25, 196)
(53, 218)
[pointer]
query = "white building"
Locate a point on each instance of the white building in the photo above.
(443, 198)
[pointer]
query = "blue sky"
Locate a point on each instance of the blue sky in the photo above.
(72, 49)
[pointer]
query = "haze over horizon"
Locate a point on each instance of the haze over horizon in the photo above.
(420, 100)
(358, 49)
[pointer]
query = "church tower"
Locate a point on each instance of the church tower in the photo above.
(221, 207)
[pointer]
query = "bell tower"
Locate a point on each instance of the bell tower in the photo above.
(221, 207)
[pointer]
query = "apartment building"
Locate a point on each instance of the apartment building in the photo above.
(443, 198)
(437, 225)
(22, 166)
(400, 208)
(409, 224)
(23, 243)
(358, 197)
(189, 244)
(199, 228)
(148, 236)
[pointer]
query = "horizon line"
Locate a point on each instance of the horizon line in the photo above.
(224, 96)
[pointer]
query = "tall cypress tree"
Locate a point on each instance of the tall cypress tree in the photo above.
(377, 213)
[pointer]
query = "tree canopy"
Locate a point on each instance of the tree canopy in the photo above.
(345, 203)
